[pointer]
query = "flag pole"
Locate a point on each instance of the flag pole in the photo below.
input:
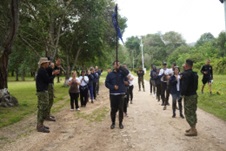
(116, 51)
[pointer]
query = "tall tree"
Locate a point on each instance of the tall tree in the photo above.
(9, 17)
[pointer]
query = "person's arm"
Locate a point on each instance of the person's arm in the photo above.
(184, 84)
(211, 72)
(202, 70)
(108, 84)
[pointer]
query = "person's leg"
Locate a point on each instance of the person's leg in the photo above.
(190, 107)
(174, 97)
(94, 90)
(139, 83)
(76, 100)
(150, 86)
(85, 96)
(180, 106)
(143, 84)
(43, 103)
(51, 95)
(210, 86)
(120, 108)
(72, 100)
(113, 104)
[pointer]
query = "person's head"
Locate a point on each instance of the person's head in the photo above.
(83, 72)
(164, 64)
(208, 62)
(91, 69)
(176, 70)
(173, 65)
(43, 62)
(96, 68)
(58, 62)
(116, 64)
(188, 64)
(73, 74)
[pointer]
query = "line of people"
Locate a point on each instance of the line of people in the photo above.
(87, 82)
(166, 81)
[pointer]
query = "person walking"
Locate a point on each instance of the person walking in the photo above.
(84, 80)
(130, 91)
(174, 83)
(90, 84)
(164, 76)
(74, 83)
(189, 85)
(42, 82)
(207, 72)
(140, 74)
(115, 83)
(97, 70)
(153, 75)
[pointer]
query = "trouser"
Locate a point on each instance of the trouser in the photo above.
(97, 87)
(83, 95)
(176, 97)
(51, 95)
(74, 100)
(117, 102)
(43, 104)
(152, 86)
(158, 93)
(126, 100)
(164, 93)
(190, 107)
(94, 90)
(91, 92)
(141, 81)
(130, 92)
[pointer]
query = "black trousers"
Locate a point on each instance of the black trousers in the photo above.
(94, 90)
(158, 93)
(117, 103)
(74, 100)
(126, 101)
(83, 96)
(164, 93)
(130, 92)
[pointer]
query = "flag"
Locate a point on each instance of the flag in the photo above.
(115, 23)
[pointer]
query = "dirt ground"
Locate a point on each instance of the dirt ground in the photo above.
(147, 128)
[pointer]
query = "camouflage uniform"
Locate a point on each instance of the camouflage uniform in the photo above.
(190, 107)
(43, 103)
(51, 95)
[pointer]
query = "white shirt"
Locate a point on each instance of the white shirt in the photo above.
(77, 79)
(85, 81)
(178, 83)
(131, 79)
(165, 71)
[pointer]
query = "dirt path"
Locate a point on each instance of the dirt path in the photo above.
(148, 128)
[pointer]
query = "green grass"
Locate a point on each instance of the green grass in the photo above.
(215, 103)
(25, 92)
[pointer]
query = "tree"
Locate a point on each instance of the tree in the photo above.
(206, 37)
(9, 11)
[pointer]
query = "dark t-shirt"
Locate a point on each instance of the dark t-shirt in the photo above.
(209, 70)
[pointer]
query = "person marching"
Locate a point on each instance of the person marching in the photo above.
(74, 83)
(115, 83)
(140, 74)
(90, 84)
(42, 82)
(164, 75)
(84, 80)
(153, 75)
(174, 82)
(131, 78)
(207, 72)
(189, 85)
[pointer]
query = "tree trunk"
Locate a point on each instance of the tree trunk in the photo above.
(3, 70)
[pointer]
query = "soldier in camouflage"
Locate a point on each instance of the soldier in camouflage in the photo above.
(42, 82)
(189, 84)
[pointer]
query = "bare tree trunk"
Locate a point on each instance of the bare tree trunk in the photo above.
(7, 42)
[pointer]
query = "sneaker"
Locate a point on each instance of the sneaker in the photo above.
(181, 115)
(164, 108)
(72, 109)
(174, 115)
(121, 126)
(78, 109)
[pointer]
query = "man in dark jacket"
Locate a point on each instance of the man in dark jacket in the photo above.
(42, 82)
(140, 74)
(115, 83)
(189, 84)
